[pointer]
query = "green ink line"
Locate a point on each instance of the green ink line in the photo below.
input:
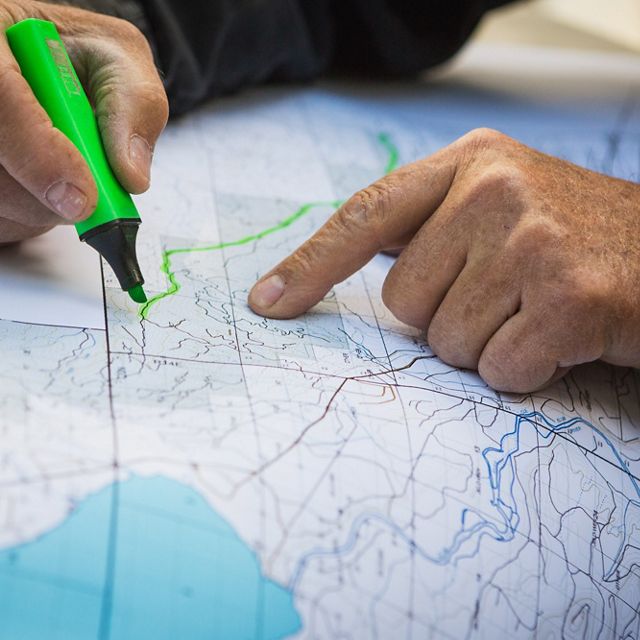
(392, 161)
(174, 286)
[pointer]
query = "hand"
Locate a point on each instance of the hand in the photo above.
(44, 180)
(515, 263)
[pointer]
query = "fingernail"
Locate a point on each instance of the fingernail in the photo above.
(67, 200)
(140, 155)
(267, 292)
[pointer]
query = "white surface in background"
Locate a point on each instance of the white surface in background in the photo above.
(54, 279)
(617, 21)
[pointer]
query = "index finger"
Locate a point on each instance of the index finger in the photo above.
(38, 156)
(383, 216)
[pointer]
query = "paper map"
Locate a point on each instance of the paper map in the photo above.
(192, 470)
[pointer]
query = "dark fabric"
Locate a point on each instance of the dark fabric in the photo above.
(130, 10)
(207, 48)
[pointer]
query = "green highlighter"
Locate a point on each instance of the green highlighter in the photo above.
(112, 228)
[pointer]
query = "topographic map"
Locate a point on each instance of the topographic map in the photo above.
(191, 470)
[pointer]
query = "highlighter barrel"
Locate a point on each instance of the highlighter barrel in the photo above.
(112, 227)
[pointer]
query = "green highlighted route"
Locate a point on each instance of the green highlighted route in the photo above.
(174, 285)
(166, 267)
(392, 161)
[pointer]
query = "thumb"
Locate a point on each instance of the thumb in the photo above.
(383, 216)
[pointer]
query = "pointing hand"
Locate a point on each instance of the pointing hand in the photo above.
(514, 263)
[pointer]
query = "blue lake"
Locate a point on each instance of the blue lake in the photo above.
(146, 558)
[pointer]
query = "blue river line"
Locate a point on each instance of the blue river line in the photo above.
(501, 459)
(500, 462)
(170, 568)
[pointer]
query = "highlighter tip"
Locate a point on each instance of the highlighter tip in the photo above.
(137, 294)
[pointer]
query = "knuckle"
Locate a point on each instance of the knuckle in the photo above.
(302, 260)
(123, 42)
(366, 212)
(449, 340)
(395, 298)
(518, 368)
(507, 179)
(148, 97)
(440, 340)
(126, 31)
(501, 186)
(536, 235)
(483, 137)
(353, 214)
(496, 368)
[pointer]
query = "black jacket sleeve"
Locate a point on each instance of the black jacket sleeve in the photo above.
(207, 48)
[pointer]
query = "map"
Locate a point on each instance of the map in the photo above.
(191, 470)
